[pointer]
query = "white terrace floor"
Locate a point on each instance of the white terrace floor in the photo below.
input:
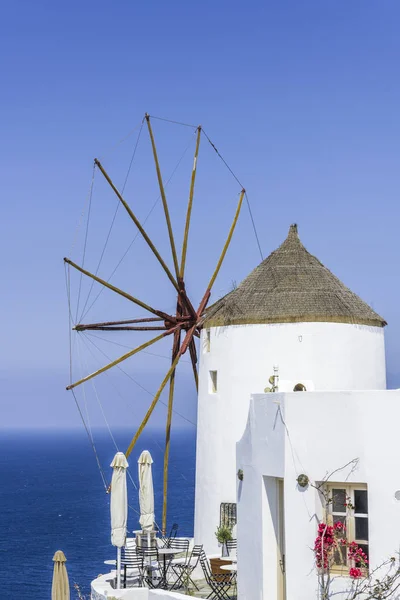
(102, 589)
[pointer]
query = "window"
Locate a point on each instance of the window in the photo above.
(349, 505)
(213, 382)
(207, 341)
(227, 514)
(299, 387)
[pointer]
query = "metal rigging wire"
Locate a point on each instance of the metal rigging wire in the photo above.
(175, 122)
(137, 382)
(138, 233)
(103, 339)
(90, 437)
(122, 398)
(85, 242)
(242, 186)
(112, 222)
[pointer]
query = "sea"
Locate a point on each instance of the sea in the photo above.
(52, 497)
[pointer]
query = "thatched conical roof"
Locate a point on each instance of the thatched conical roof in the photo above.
(289, 286)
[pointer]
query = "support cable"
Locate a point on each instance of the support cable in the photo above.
(254, 226)
(113, 147)
(112, 222)
(174, 122)
(85, 241)
(91, 443)
(138, 233)
(107, 487)
(70, 321)
(137, 383)
(238, 181)
(130, 347)
(122, 398)
(107, 423)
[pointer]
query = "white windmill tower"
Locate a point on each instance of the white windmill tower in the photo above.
(290, 311)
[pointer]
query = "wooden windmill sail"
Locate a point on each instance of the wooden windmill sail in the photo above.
(183, 326)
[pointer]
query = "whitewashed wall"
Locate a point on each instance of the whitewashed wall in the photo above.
(313, 433)
(324, 356)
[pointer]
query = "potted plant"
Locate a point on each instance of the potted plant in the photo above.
(223, 535)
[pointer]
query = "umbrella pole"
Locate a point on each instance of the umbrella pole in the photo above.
(118, 568)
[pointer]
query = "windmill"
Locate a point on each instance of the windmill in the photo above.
(183, 326)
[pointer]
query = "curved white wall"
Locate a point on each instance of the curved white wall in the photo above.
(325, 356)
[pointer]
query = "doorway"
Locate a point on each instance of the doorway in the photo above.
(281, 541)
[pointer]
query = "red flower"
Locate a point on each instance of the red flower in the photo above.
(355, 573)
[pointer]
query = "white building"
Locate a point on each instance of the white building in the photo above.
(290, 311)
(350, 439)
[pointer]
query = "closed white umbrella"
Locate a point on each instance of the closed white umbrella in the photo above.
(119, 507)
(60, 586)
(146, 492)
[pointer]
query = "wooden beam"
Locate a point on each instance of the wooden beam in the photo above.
(126, 322)
(207, 295)
(163, 196)
(117, 328)
(228, 241)
(138, 225)
(152, 406)
(175, 351)
(118, 291)
(190, 204)
(119, 360)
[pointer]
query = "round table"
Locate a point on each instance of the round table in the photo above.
(165, 552)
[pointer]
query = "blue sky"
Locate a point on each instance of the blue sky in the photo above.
(300, 97)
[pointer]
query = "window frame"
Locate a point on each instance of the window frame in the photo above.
(228, 514)
(349, 518)
(207, 341)
(213, 381)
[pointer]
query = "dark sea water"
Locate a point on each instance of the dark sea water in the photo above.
(52, 498)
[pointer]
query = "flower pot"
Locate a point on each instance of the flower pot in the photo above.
(225, 552)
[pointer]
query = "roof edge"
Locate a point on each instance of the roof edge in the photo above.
(223, 322)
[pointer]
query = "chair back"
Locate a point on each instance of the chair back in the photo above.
(164, 541)
(205, 566)
(181, 546)
(195, 555)
(174, 531)
(148, 554)
(131, 559)
(231, 545)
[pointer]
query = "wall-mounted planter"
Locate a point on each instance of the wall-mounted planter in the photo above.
(303, 480)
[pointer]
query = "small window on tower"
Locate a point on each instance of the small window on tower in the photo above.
(213, 382)
(299, 387)
(207, 341)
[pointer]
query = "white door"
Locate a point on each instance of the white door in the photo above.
(281, 543)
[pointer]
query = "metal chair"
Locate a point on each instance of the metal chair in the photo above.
(184, 569)
(166, 540)
(174, 531)
(180, 545)
(130, 559)
(181, 548)
(231, 545)
(218, 582)
(151, 568)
